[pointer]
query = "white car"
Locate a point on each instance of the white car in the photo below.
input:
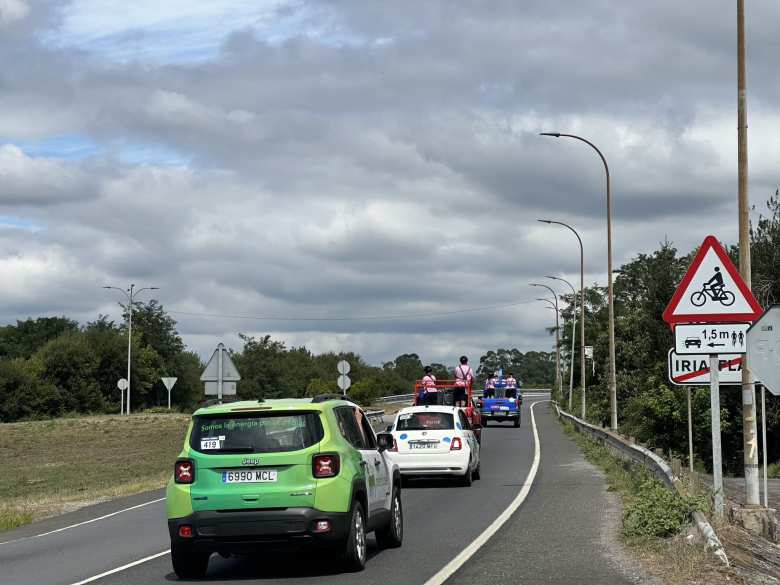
(435, 441)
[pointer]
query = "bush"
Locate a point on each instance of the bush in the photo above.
(655, 510)
(364, 392)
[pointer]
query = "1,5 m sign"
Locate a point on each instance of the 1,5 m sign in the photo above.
(703, 339)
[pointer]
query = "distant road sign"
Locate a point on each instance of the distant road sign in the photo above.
(169, 383)
(343, 367)
(694, 370)
(122, 384)
(763, 348)
(712, 291)
(229, 370)
(221, 374)
(709, 338)
(344, 382)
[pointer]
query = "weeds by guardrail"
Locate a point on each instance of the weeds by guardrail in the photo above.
(656, 465)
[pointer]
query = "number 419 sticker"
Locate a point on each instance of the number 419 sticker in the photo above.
(212, 443)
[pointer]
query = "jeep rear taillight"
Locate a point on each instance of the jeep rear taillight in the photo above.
(184, 471)
(325, 465)
(456, 444)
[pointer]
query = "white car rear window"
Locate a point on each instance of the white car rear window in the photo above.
(425, 421)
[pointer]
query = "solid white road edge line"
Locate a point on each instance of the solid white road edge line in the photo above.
(85, 522)
(447, 571)
(123, 567)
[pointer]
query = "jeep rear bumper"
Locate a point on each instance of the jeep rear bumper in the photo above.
(245, 530)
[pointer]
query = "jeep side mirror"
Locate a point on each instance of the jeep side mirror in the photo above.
(384, 441)
(389, 428)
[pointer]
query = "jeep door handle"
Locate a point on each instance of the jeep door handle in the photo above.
(377, 463)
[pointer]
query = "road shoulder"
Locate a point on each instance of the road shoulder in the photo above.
(567, 530)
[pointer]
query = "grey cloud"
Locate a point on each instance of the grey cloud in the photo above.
(377, 178)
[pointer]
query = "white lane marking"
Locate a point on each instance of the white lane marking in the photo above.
(447, 571)
(85, 522)
(123, 567)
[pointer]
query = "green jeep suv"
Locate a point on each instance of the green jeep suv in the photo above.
(282, 472)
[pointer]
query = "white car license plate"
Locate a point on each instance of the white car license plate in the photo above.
(249, 476)
(425, 445)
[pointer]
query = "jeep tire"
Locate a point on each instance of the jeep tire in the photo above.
(187, 562)
(355, 548)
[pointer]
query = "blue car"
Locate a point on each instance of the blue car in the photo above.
(503, 405)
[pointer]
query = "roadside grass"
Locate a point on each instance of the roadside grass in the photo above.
(656, 521)
(56, 466)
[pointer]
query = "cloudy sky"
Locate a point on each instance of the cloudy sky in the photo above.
(313, 161)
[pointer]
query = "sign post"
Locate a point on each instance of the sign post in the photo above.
(122, 385)
(168, 383)
(343, 380)
(690, 432)
(710, 312)
(220, 375)
(717, 466)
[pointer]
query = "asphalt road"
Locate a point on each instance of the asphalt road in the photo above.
(441, 520)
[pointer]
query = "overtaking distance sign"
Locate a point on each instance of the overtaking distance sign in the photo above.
(712, 291)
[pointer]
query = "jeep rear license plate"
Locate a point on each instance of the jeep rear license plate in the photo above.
(249, 476)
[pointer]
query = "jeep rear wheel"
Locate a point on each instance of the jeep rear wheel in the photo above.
(354, 555)
(392, 535)
(187, 562)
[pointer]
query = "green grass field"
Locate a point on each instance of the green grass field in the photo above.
(55, 466)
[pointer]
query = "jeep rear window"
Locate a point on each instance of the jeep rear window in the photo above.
(256, 433)
(424, 421)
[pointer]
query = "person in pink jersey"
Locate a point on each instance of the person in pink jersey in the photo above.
(429, 391)
(464, 377)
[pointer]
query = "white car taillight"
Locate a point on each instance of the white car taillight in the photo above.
(456, 444)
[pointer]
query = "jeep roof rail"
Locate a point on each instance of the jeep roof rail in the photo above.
(325, 397)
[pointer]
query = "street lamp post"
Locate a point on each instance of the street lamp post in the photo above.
(557, 339)
(582, 307)
(553, 306)
(610, 294)
(130, 294)
(573, 334)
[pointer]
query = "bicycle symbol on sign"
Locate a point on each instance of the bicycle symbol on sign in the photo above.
(713, 289)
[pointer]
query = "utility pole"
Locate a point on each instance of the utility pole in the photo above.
(130, 294)
(749, 429)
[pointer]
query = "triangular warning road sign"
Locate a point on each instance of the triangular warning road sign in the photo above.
(712, 290)
(229, 370)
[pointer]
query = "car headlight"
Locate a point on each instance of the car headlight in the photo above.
(511, 400)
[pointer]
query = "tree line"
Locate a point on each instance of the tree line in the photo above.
(52, 366)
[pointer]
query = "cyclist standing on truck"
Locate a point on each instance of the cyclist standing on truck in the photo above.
(464, 376)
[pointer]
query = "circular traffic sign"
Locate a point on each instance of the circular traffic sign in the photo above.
(344, 382)
(122, 384)
(343, 367)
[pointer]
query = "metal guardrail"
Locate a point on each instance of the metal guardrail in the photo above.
(653, 463)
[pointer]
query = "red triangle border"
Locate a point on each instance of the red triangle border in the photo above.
(711, 242)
